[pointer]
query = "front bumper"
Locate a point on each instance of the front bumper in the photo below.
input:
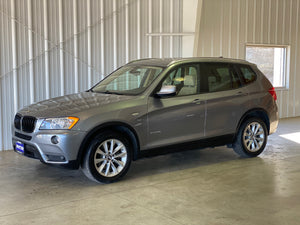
(38, 145)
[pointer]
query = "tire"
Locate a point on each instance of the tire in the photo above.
(108, 157)
(251, 139)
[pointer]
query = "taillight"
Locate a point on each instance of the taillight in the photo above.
(273, 93)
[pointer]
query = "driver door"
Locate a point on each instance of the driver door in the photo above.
(178, 118)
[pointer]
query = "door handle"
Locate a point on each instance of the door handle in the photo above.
(240, 93)
(196, 101)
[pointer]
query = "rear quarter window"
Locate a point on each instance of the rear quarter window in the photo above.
(247, 74)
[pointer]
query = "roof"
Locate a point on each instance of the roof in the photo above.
(153, 62)
(165, 62)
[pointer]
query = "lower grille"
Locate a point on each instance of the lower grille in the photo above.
(23, 136)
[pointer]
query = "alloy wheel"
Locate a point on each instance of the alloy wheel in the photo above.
(253, 136)
(110, 157)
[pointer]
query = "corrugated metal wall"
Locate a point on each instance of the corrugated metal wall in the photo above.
(55, 47)
(228, 25)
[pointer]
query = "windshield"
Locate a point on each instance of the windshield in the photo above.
(131, 80)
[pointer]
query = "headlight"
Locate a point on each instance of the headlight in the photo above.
(63, 123)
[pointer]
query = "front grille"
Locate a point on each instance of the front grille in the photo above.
(17, 122)
(26, 123)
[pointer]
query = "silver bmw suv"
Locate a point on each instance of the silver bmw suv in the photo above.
(151, 106)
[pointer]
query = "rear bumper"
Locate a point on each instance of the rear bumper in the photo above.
(273, 126)
(274, 119)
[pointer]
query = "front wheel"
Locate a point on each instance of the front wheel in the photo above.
(108, 158)
(251, 138)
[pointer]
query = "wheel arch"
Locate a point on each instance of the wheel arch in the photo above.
(119, 127)
(254, 113)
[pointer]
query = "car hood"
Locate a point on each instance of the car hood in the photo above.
(69, 105)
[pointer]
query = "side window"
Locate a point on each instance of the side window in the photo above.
(247, 74)
(185, 78)
(218, 77)
(236, 82)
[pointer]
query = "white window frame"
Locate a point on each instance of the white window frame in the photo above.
(286, 62)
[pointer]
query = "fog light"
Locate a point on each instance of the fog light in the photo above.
(56, 158)
(55, 139)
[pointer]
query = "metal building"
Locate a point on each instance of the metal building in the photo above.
(50, 48)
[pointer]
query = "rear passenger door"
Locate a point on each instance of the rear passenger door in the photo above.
(226, 98)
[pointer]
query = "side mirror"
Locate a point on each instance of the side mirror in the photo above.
(168, 90)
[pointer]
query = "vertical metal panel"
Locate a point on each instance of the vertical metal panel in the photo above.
(22, 48)
(238, 30)
(126, 31)
(229, 28)
(46, 49)
(261, 22)
(61, 46)
(102, 40)
(108, 37)
(171, 27)
(14, 55)
(75, 25)
(89, 15)
(296, 90)
(143, 28)
(7, 72)
(115, 50)
(30, 50)
(160, 28)
(150, 28)
(258, 22)
(138, 28)
(221, 29)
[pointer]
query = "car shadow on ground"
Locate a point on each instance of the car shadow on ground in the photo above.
(142, 168)
(180, 161)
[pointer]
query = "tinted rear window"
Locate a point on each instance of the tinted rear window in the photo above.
(247, 74)
(218, 77)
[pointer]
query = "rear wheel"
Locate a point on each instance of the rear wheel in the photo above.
(108, 158)
(251, 138)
